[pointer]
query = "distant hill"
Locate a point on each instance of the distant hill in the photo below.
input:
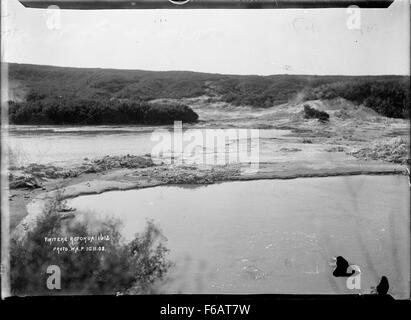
(379, 92)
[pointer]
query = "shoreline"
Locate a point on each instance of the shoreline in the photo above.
(358, 142)
(26, 205)
(267, 176)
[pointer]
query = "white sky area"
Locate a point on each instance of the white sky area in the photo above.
(219, 41)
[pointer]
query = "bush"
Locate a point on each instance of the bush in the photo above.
(390, 98)
(131, 268)
(311, 113)
(392, 150)
(71, 110)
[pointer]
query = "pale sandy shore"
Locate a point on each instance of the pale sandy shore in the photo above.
(25, 205)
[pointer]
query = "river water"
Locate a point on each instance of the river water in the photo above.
(69, 146)
(267, 236)
(272, 236)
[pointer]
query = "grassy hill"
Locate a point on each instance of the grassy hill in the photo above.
(388, 95)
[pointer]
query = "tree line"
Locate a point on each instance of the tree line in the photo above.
(61, 110)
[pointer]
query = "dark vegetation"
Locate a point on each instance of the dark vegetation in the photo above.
(125, 268)
(72, 110)
(312, 113)
(388, 95)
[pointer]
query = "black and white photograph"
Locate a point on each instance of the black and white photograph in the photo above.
(205, 148)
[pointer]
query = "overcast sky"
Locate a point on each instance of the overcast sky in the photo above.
(221, 41)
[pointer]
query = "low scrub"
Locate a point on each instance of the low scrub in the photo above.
(311, 113)
(394, 150)
(121, 268)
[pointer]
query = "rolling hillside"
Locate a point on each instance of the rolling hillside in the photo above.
(388, 95)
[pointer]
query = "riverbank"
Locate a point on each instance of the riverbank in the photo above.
(355, 141)
(26, 203)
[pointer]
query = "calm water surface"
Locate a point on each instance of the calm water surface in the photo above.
(68, 146)
(273, 236)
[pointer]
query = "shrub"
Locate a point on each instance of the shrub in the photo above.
(71, 110)
(311, 113)
(121, 268)
(390, 98)
(392, 150)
